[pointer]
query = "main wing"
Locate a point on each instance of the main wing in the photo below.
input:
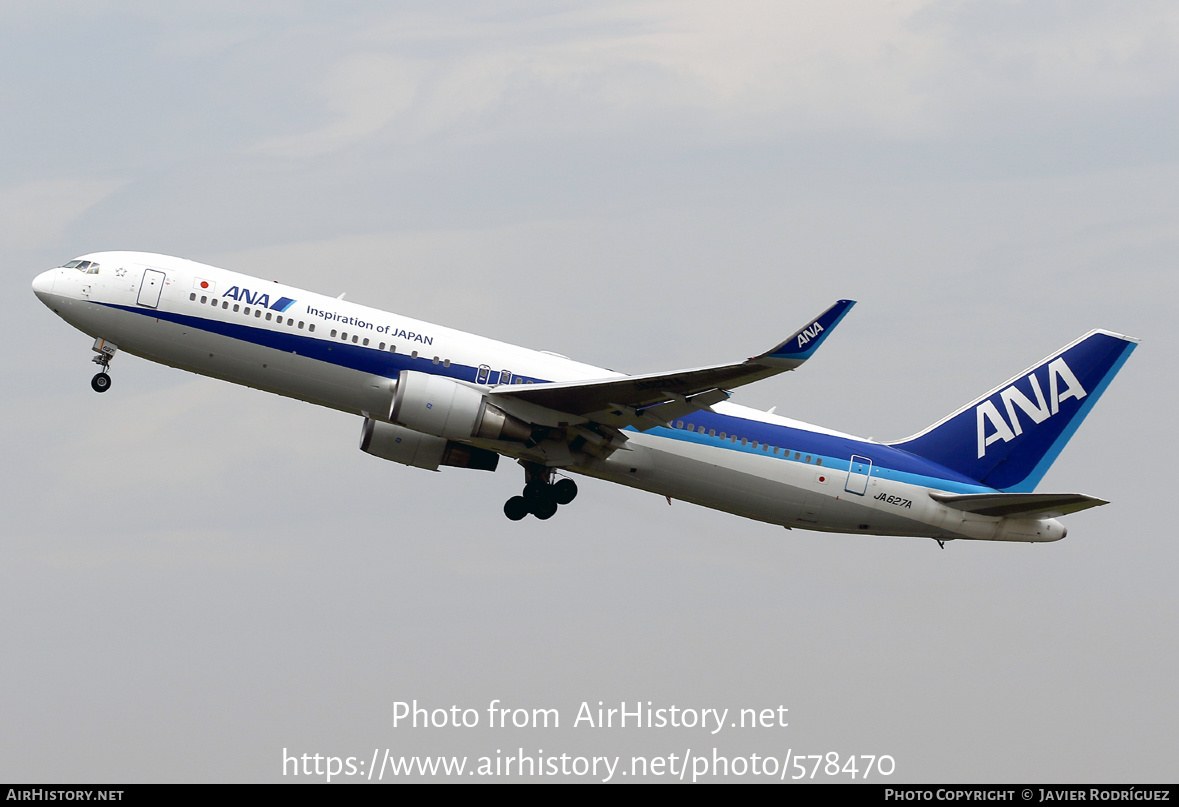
(655, 399)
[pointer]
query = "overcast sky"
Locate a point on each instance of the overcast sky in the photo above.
(197, 576)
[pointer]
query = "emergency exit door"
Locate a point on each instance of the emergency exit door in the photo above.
(858, 471)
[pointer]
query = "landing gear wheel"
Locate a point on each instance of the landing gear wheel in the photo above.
(565, 491)
(543, 508)
(100, 382)
(516, 508)
(541, 497)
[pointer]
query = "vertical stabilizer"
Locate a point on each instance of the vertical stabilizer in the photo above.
(1008, 438)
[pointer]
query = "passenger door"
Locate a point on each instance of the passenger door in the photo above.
(150, 288)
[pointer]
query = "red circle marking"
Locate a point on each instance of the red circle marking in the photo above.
(204, 284)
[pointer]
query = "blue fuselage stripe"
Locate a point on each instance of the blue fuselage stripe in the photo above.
(834, 451)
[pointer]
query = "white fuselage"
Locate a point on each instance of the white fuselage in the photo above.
(345, 356)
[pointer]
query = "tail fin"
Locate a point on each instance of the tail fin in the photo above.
(1008, 438)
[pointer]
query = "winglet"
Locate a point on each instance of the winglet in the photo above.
(799, 347)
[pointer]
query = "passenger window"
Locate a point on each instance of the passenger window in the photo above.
(365, 342)
(775, 449)
(392, 348)
(344, 335)
(381, 347)
(311, 327)
(236, 308)
(268, 315)
(246, 311)
(204, 299)
(192, 296)
(744, 441)
(333, 333)
(797, 455)
(355, 339)
(414, 354)
(808, 457)
(225, 303)
(818, 460)
(446, 362)
(679, 424)
(301, 328)
(257, 312)
(754, 444)
(436, 360)
(712, 432)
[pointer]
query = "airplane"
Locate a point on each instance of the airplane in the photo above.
(431, 396)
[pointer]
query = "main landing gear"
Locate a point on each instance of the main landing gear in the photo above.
(541, 495)
(106, 351)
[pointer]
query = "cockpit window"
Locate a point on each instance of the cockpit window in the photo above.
(85, 267)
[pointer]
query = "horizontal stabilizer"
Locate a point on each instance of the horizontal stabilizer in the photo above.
(1018, 505)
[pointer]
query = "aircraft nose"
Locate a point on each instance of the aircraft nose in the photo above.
(43, 284)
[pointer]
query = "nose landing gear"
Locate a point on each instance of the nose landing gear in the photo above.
(106, 351)
(541, 495)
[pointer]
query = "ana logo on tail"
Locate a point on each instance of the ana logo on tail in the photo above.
(1007, 429)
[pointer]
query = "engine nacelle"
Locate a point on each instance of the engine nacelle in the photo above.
(440, 406)
(399, 444)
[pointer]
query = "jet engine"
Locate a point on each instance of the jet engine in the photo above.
(443, 407)
(399, 444)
